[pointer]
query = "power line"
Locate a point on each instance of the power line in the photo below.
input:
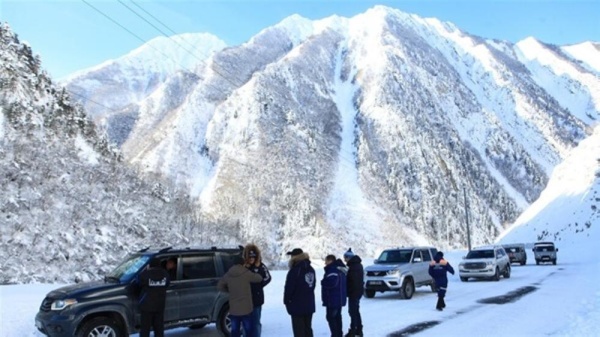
(135, 35)
(172, 39)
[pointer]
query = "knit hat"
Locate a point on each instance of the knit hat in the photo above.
(252, 254)
(348, 254)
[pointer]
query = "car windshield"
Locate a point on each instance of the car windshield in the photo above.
(513, 249)
(543, 248)
(126, 270)
(395, 256)
(481, 254)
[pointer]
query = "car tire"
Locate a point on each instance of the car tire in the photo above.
(523, 263)
(554, 262)
(507, 271)
(101, 327)
(223, 321)
(407, 290)
(537, 262)
(464, 279)
(496, 276)
(369, 293)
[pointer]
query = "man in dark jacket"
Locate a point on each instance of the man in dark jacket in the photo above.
(299, 293)
(237, 282)
(153, 283)
(355, 286)
(333, 293)
(438, 269)
(253, 262)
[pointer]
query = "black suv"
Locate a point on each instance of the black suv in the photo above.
(109, 307)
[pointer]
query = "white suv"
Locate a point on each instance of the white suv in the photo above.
(400, 269)
(485, 262)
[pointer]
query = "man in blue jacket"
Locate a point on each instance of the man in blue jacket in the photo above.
(333, 293)
(438, 270)
(299, 293)
(153, 283)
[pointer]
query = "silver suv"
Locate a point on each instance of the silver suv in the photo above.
(545, 252)
(485, 262)
(400, 269)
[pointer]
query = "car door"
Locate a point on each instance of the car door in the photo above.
(417, 266)
(198, 286)
(172, 300)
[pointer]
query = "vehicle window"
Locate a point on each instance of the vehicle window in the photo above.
(426, 255)
(228, 260)
(417, 255)
(481, 254)
(126, 270)
(395, 256)
(198, 267)
(544, 249)
(512, 250)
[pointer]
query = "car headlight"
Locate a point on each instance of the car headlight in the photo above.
(62, 304)
(461, 265)
(393, 272)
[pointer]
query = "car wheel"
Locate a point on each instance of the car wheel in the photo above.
(523, 263)
(554, 262)
(369, 293)
(101, 327)
(537, 262)
(496, 276)
(464, 279)
(223, 321)
(407, 290)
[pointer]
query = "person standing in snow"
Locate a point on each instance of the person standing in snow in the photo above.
(355, 288)
(333, 293)
(253, 261)
(299, 293)
(153, 283)
(237, 282)
(438, 269)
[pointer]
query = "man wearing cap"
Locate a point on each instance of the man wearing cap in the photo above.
(355, 286)
(299, 293)
(253, 261)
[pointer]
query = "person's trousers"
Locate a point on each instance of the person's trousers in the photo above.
(334, 319)
(154, 319)
(302, 326)
(256, 314)
(236, 325)
(354, 312)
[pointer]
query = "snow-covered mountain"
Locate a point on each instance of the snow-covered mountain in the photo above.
(366, 131)
(67, 198)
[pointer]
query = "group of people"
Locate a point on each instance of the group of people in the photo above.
(342, 283)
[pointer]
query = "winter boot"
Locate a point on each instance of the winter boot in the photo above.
(440, 304)
(350, 333)
(443, 303)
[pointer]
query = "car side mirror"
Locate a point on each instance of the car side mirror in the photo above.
(557, 249)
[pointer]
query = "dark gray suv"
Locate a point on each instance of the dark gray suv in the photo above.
(109, 308)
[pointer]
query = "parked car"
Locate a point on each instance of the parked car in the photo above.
(544, 252)
(485, 262)
(516, 253)
(109, 307)
(400, 269)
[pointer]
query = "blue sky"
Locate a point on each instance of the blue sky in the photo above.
(70, 35)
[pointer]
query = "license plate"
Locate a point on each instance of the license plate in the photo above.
(38, 324)
(376, 282)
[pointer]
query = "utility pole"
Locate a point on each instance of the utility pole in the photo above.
(467, 218)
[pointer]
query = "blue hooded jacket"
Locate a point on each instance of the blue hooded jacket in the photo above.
(333, 285)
